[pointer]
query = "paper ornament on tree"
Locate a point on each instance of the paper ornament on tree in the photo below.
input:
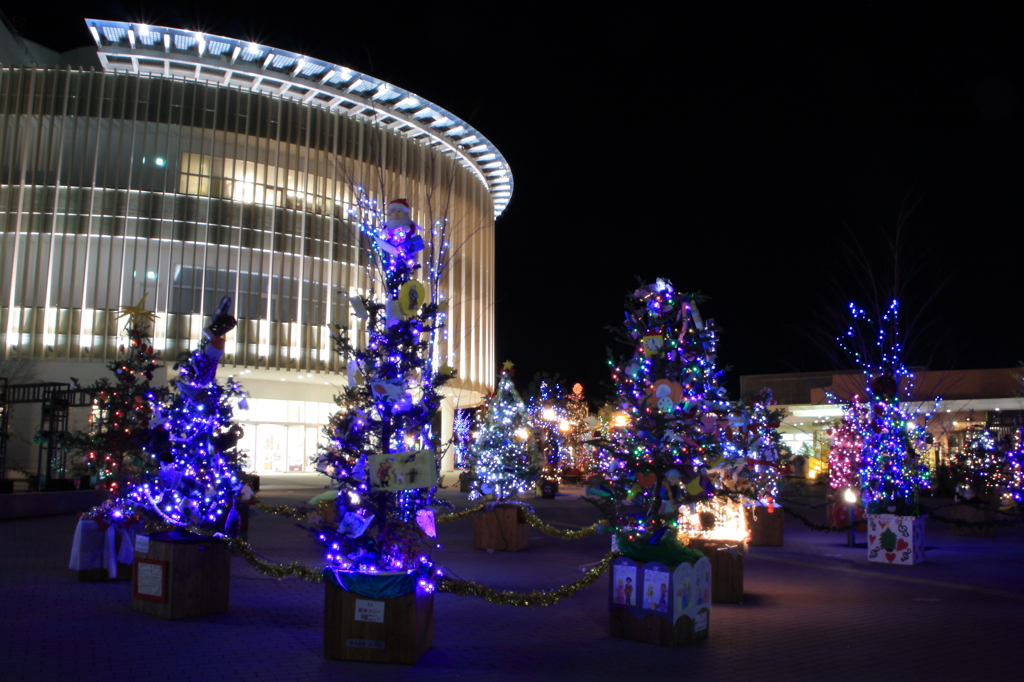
(665, 394)
(653, 344)
(358, 307)
(402, 470)
(387, 390)
(411, 297)
(394, 312)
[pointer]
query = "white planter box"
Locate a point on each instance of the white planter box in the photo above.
(895, 539)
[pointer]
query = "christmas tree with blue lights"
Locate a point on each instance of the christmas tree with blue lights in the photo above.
(503, 458)
(195, 470)
(891, 470)
(381, 450)
(671, 411)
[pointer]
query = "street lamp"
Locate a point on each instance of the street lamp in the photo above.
(850, 497)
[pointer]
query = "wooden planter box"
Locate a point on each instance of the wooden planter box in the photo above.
(377, 630)
(548, 489)
(726, 569)
(973, 513)
(658, 604)
(180, 577)
(895, 539)
(501, 529)
(766, 527)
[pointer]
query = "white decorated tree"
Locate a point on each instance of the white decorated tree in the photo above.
(503, 458)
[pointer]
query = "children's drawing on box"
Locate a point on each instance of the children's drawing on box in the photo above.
(683, 597)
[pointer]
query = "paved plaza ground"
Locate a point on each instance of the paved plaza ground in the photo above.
(813, 609)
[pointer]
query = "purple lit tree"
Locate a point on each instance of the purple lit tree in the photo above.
(891, 470)
(196, 472)
(381, 451)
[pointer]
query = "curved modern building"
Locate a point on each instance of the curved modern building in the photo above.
(189, 166)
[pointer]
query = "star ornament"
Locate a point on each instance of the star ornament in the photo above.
(137, 312)
(508, 364)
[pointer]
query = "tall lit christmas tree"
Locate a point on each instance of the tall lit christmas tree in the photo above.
(672, 412)
(113, 446)
(891, 470)
(381, 450)
(503, 459)
(197, 472)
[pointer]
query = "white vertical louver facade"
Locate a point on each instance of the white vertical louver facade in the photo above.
(115, 186)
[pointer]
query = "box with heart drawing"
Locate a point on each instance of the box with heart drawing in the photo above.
(895, 539)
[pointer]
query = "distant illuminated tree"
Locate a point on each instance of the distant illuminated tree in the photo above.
(502, 457)
(847, 446)
(984, 467)
(754, 467)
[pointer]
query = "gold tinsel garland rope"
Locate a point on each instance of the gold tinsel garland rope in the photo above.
(531, 519)
(455, 516)
(531, 598)
(528, 516)
(272, 568)
(283, 510)
(548, 529)
(450, 585)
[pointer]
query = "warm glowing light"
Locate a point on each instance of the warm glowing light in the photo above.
(717, 519)
(549, 414)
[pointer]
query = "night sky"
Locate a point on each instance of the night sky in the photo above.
(737, 152)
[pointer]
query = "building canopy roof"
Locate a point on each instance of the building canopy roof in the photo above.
(137, 48)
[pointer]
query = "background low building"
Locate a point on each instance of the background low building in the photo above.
(972, 399)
